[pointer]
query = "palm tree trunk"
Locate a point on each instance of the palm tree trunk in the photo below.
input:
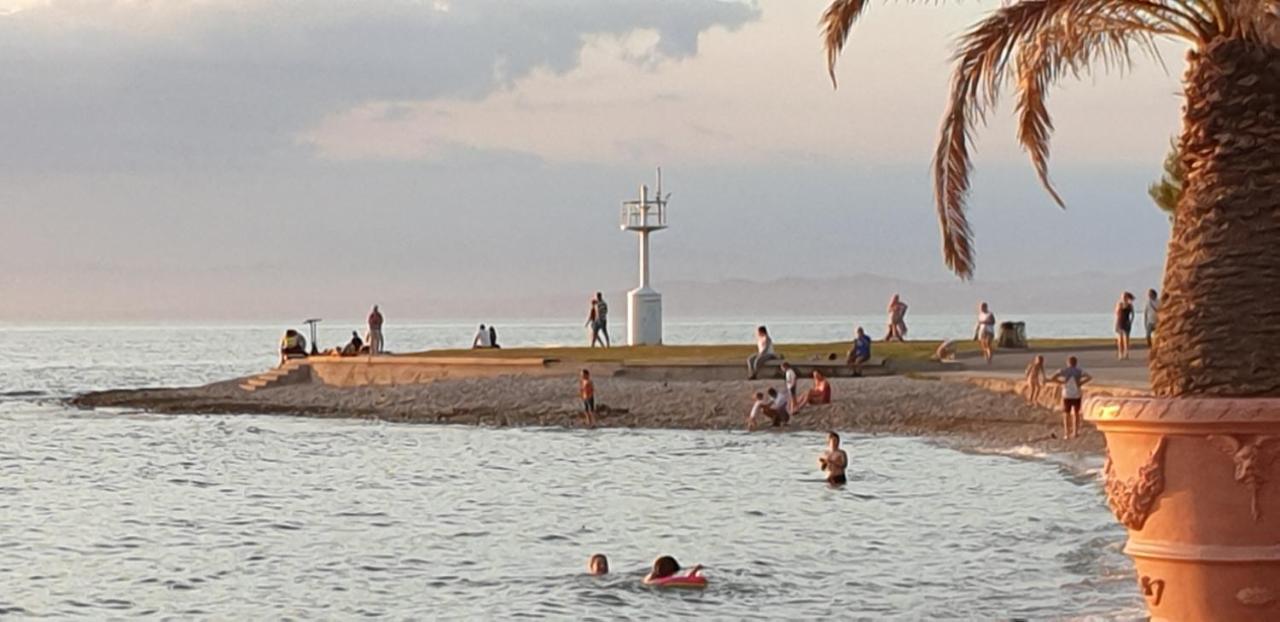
(1219, 332)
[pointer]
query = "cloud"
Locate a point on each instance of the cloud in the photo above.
(752, 95)
(98, 84)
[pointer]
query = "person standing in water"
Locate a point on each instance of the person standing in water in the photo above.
(1150, 314)
(375, 331)
(985, 331)
(897, 320)
(1124, 325)
(834, 461)
(602, 318)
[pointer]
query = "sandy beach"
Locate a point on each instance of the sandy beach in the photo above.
(953, 412)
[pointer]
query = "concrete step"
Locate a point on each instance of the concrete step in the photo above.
(273, 377)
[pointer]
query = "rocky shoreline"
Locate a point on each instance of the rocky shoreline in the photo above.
(958, 414)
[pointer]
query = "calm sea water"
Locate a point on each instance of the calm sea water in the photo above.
(124, 515)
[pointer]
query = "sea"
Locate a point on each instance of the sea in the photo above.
(119, 514)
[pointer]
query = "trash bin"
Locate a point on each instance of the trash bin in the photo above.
(1012, 335)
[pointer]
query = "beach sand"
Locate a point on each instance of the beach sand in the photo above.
(955, 413)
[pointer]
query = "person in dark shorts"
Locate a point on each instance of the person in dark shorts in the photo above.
(1124, 324)
(1072, 379)
(587, 391)
(834, 460)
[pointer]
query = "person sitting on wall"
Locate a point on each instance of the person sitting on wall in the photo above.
(353, 347)
(292, 346)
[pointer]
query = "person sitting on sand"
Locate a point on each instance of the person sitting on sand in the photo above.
(758, 406)
(859, 352)
(946, 351)
(1035, 378)
(819, 394)
(353, 347)
(292, 346)
(666, 567)
(1072, 379)
(779, 408)
(481, 339)
(834, 460)
(764, 352)
(598, 565)
(587, 391)
(493, 337)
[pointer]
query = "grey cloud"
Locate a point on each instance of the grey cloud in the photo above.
(230, 86)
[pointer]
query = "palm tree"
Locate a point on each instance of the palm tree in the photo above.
(1220, 320)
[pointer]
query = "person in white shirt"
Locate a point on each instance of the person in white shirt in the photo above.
(985, 331)
(481, 340)
(764, 352)
(1072, 379)
(1150, 314)
(792, 380)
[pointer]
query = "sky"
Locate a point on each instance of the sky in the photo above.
(254, 159)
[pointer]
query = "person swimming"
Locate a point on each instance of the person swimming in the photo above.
(666, 568)
(834, 461)
(598, 565)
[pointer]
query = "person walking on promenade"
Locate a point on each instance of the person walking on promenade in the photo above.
(1124, 325)
(1072, 379)
(1150, 314)
(985, 331)
(860, 352)
(897, 320)
(593, 323)
(375, 331)
(587, 391)
(602, 318)
(764, 352)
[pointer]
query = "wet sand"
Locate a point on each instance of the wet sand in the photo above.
(955, 413)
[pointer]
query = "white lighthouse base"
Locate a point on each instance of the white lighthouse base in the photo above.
(644, 317)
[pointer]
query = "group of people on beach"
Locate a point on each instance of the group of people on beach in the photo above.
(1072, 379)
(293, 345)
(485, 338)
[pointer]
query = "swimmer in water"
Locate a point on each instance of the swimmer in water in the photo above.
(834, 460)
(666, 567)
(598, 565)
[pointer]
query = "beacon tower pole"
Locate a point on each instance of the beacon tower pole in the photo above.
(644, 305)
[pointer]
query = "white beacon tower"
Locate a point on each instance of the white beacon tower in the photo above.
(644, 305)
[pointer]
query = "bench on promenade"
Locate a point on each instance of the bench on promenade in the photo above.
(829, 368)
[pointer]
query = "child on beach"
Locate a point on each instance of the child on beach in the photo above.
(1035, 378)
(587, 391)
(757, 411)
(793, 381)
(1072, 379)
(666, 567)
(598, 565)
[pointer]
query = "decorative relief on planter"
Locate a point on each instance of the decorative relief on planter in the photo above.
(1132, 500)
(1252, 455)
(1256, 597)
(1152, 590)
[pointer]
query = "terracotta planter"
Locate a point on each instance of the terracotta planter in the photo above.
(1196, 483)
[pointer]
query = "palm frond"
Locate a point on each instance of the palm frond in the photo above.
(837, 21)
(1036, 43)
